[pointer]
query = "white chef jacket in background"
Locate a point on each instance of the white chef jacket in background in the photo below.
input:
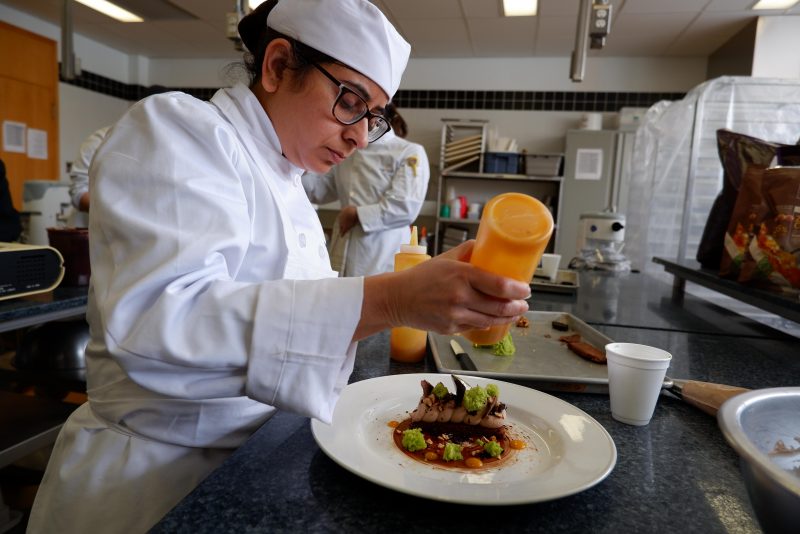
(79, 176)
(387, 182)
(203, 313)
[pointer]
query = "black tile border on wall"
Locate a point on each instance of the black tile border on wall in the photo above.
(432, 98)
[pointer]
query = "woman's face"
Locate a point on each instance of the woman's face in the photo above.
(301, 113)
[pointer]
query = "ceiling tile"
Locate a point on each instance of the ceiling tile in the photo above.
(481, 8)
(710, 31)
(665, 24)
(549, 8)
(438, 38)
(503, 37)
(424, 9)
(730, 5)
(662, 6)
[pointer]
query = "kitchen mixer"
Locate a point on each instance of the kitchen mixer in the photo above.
(601, 239)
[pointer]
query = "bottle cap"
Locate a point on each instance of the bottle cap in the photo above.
(413, 247)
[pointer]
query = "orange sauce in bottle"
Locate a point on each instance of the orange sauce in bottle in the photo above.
(512, 236)
(408, 344)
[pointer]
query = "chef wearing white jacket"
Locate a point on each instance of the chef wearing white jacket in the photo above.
(212, 302)
(381, 189)
(79, 177)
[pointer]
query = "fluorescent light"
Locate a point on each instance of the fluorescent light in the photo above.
(773, 4)
(520, 8)
(255, 3)
(112, 10)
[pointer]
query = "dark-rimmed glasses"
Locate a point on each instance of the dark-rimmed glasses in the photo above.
(349, 108)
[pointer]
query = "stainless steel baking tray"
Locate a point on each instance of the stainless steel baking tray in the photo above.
(540, 358)
(566, 282)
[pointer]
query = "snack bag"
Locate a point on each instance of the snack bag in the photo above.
(748, 213)
(737, 153)
(773, 258)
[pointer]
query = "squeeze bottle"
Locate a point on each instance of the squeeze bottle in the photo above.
(408, 344)
(512, 235)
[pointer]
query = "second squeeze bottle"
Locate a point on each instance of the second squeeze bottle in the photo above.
(513, 233)
(408, 344)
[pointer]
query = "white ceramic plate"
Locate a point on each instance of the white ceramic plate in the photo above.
(567, 450)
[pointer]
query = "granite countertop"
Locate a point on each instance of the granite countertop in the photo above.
(677, 473)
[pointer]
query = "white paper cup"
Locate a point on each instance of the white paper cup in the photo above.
(549, 266)
(635, 377)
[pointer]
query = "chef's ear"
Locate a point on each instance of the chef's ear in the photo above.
(277, 58)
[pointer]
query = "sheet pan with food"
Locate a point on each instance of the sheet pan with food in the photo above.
(553, 351)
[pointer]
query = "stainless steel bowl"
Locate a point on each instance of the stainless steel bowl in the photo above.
(758, 425)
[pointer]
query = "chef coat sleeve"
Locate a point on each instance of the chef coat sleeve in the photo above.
(180, 309)
(401, 203)
(321, 188)
(79, 171)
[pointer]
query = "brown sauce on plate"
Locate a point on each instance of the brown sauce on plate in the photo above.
(438, 434)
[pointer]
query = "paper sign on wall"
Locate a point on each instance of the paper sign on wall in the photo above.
(14, 136)
(37, 144)
(589, 164)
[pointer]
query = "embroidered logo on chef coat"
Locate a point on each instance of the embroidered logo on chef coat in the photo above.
(413, 162)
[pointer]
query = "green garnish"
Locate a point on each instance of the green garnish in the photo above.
(475, 398)
(452, 452)
(492, 390)
(493, 449)
(413, 440)
(504, 347)
(440, 391)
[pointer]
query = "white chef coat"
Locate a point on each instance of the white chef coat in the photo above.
(211, 305)
(387, 182)
(79, 176)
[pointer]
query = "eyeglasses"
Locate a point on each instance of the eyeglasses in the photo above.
(349, 108)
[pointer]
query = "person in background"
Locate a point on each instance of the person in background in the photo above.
(212, 303)
(381, 189)
(79, 177)
(10, 224)
(79, 170)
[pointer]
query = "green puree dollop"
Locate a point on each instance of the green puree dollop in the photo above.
(493, 449)
(452, 452)
(475, 398)
(440, 391)
(504, 347)
(492, 390)
(413, 440)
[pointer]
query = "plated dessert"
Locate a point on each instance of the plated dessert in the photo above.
(462, 429)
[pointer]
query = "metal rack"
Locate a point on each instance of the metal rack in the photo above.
(463, 173)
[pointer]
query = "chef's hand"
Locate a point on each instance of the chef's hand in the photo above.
(445, 295)
(347, 218)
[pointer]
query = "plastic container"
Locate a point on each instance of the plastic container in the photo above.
(408, 344)
(73, 244)
(512, 236)
(501, 162)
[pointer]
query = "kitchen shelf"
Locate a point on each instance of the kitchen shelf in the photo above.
(480, 187)
(496, 176)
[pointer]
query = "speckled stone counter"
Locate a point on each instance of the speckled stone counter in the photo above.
(62, 302)
(676, 474)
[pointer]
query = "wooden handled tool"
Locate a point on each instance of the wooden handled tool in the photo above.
(704, 395)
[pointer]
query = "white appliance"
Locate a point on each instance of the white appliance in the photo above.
(45, 204)
(28, 269)
(601, 239)
(597, 167)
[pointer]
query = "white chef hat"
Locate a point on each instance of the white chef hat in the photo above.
(354, 32)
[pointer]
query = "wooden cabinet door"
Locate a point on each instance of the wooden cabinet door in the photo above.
(28, 95)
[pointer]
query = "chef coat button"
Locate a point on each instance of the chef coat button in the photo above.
(302, 240)
(297, 180)
(322, 251)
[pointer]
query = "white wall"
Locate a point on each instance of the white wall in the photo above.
(81, 112)
(663, 75)
(777, 42)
